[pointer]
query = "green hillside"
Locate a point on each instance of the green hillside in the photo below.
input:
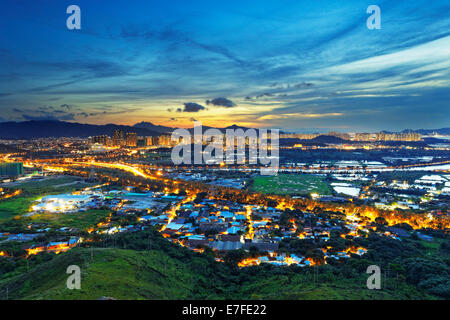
(168, 271)
(164, 272)
(122, 274)
(130, 274)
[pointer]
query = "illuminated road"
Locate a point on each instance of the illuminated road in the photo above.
(132, 169)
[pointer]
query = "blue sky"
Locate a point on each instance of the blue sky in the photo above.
(298, 65)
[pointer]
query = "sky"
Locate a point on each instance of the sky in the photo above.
(303, 66)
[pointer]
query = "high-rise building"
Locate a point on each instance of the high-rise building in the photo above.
(118, 138)
(366, 137)
(165, 140)
(103, 140)
(141, 142)
(11, 169)
(131, 139)
(149, 141)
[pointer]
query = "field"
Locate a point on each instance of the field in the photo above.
(291, 184)
(79, 220)
(55, 183)
(15, 207)
(33, 190)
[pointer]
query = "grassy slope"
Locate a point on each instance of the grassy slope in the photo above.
(122, 274)
(130, 274)
(303, 288)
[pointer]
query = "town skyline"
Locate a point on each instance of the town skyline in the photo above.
(32, 128)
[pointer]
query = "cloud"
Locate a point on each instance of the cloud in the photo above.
(299, 115)
(265, 94)
(221, 102)
(107, 112)
(299, 85)
(284, 75)
(66, 112)
(76, 72)
(66, 106)
(281, 90)
(47, 117)
(191, 107)
(44, 113)
(179, 40)
(303, 85)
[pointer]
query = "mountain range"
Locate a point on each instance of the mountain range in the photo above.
(56, 129)
(442, 131)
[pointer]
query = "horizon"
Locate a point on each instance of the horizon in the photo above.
(313, 67)
(311, 131)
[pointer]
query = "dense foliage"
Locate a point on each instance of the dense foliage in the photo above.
(411, 269)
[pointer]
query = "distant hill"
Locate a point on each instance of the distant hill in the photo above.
(223, 130)
(153, 127)
(168, 130)
(235, 127)
(435, 140)
(443, 131)
(58, 129)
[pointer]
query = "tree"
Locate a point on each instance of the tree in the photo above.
(235, 256)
